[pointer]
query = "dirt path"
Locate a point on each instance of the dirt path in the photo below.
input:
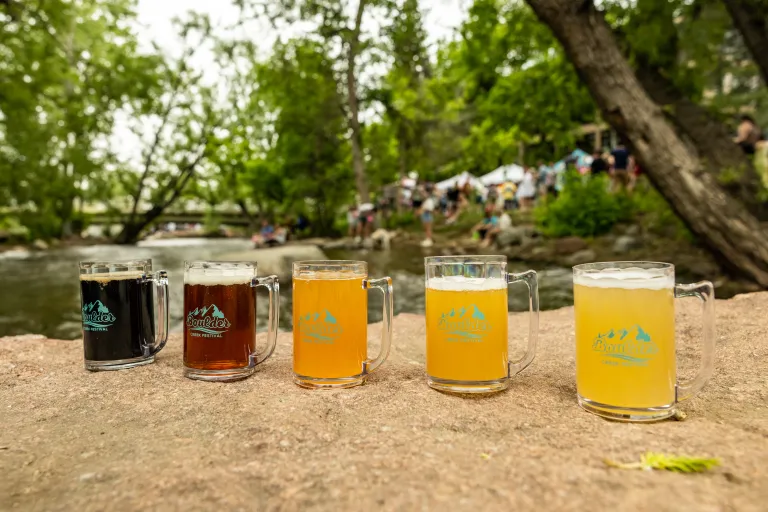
(149, 439)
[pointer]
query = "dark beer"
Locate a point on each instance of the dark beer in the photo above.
(118, 316)
(219, 322)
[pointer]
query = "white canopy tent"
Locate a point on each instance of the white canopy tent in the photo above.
(504, 173)
(459, 180)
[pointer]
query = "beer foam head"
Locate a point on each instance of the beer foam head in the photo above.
(628, 278)
(466, 284)
(105, 277)
(225, 277)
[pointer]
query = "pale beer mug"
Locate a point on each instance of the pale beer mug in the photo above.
(220, 319)
(467, 323)
(330, 323)
(625, 339)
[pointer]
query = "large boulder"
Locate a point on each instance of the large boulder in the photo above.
(626, 243)
(150, 439)
(40, 245)
(278, 260)
(585, 256)
(569, 245)
(514, 235)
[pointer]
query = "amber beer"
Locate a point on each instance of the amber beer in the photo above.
(329, 325)
(330, 317)
(467, 329)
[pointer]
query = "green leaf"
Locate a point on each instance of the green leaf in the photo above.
(676, 463)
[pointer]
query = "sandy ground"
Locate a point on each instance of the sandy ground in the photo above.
(148, 438)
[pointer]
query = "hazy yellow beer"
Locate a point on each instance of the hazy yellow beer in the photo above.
(330, 313)
(467, 323)
(330, 323)
(625, 339)
(467, 329)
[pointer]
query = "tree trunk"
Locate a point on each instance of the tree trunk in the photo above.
(133, 228)
(721, 223)
(711, 138)
(358, 163)
(751, 20)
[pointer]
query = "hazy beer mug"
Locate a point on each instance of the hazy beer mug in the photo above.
(122, 328)
(330, 323)
(220, 319)
(625, 339)
(467, 323)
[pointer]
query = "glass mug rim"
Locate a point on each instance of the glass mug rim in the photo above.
(623, 265)
(476, 259)
(219, 265)
(109, 267)
(357, 267)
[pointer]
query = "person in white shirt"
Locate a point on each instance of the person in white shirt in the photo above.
(427, 218)
(527, 190)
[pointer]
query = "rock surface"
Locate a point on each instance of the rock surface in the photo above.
(150, 439)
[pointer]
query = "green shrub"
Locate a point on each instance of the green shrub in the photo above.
(584, 208)
(401, 220)
(655, 215)
(11, 227)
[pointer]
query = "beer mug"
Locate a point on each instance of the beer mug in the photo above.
(220, 319)
(625, 339)
(119, 313)
(330, 323)
(467, 323)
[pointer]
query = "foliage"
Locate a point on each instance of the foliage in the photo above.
(675, 463)
(585, 208)
(66, 68)
(273, 133)
(402, 220)
(653, 212)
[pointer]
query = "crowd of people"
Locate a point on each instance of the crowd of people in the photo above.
(498, 199)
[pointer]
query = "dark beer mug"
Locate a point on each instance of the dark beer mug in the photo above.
(220, 319)
(120, 326)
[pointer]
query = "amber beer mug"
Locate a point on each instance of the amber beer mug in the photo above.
(220, 319)
(330, 323)
(467, 323)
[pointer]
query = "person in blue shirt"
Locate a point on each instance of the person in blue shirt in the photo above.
(488, 228)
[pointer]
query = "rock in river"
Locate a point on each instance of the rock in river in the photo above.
(277, 260)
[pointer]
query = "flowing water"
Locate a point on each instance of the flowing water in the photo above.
(40, 293)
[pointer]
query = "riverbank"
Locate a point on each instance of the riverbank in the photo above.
(524, 244)
(392, 444)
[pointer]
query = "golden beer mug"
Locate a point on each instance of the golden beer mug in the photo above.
(625, 339)
(467, 323)
(330, 323)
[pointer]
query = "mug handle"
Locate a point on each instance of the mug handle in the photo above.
(160, 281)
(272, 284)
(705, 292)
(530, 278)
(385, 285)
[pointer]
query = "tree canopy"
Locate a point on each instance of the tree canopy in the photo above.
(354, 96)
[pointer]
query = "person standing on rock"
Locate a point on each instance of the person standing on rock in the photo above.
(352, 221)
(428, 217)
(365, 220)
(622, 163)
(526, 192)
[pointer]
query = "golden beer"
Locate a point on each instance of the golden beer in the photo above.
(330, 313)
(625, 340)
(467, 329)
